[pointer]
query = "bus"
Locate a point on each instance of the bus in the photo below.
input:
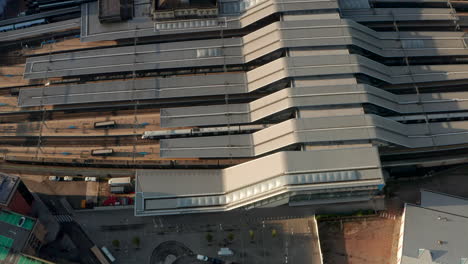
(121, 181)
(102, 152)
(108, 254)
(98, 254)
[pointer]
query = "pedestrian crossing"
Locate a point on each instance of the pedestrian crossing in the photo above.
(387, 215)
(63, 218)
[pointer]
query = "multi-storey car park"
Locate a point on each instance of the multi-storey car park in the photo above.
(240, 104)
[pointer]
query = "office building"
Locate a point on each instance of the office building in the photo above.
(14, 195)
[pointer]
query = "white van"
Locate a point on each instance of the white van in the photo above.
(225, 252)
(54, 178)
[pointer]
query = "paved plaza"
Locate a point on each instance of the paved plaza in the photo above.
(254, 237)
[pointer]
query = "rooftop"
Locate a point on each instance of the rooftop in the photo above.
(443, 202)
(198, 182)
(14, 218)
(13, 237)
(225, 189)
(25, 259)
(433, 233)
(8, 186)
(114, 10)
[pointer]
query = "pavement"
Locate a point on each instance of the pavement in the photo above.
(295, 240)
(92, 192)
(172, 251)
(368, 240)
(73, 191)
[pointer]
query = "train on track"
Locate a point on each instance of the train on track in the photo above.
(235, 129)
(120, 163)
(21, 25)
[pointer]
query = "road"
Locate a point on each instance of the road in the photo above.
(70, 227)
(81, 241)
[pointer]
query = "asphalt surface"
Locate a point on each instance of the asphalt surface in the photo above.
(81, 241)
(79, 238)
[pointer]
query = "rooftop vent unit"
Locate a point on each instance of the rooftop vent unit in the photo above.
(184, 9)
(115, 10)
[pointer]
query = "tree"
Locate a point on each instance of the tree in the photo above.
(273, 233)
(116, 244)
(136, 242)
(252, 235)
(231, 236)
(209, 237)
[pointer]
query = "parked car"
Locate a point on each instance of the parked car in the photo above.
(216, 261)
(202, 258)
(90, 179)
(225, 252)
(54, 178)
(21, 221)
(68, 178)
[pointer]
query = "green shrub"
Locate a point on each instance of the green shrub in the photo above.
(273, 233)
(209, 237)
(136, 241)
(116, 243)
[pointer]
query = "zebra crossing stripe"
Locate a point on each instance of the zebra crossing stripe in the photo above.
(64, 218)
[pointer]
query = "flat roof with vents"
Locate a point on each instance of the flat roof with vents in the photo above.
(8, 185)
(115, 10)
(251, 181)
(15, 231)
(436, 231)
(14, 219)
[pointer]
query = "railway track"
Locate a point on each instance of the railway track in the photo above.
(109, 109)
(92, 141)
(36, 115)
(20, 163)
